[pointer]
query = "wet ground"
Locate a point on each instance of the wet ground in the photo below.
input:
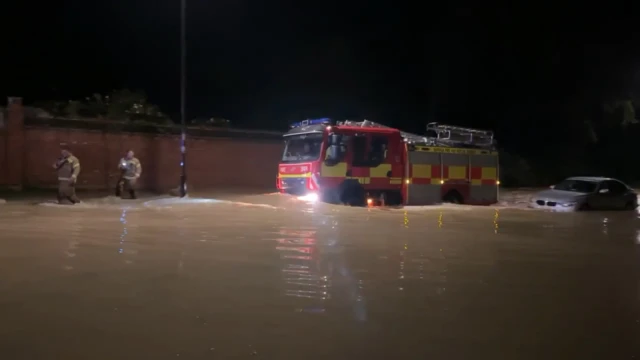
(269, 277)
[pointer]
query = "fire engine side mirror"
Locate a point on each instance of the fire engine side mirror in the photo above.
(334, 150)
(334, 139)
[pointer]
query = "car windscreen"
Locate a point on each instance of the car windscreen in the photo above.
(579, 186)
(302, 148)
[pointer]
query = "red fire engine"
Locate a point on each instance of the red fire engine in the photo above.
(363, 162)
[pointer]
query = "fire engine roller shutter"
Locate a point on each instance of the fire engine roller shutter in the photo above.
(484, 176)
(424, 184)
(455, 169)
(456, 175)
(476, 170)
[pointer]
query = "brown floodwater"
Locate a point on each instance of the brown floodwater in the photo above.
(270, 277)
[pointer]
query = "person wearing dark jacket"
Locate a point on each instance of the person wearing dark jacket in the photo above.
(68, 169)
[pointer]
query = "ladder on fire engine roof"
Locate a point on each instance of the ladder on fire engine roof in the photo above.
(441, 135)
(461, 135)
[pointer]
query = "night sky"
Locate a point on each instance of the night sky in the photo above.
(264, 64)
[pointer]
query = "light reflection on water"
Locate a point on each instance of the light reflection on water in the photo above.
(315, 267)
(123, 236)
(434, 284)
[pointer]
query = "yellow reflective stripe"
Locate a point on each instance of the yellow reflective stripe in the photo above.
(489, 173)
(306, 175)
(380, 170)
(421, 170)
(457, 172)
(337, 170)
(361, 180)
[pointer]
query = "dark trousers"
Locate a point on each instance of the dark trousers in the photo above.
(67, 192)
(126, 185)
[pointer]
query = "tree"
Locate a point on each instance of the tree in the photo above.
(119, 105)
(621, 111)
(210, 122)
(73, 109)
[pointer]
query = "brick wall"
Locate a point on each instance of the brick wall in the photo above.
(27, 152)
(3, 157)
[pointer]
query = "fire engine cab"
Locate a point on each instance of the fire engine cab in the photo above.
(362, 162)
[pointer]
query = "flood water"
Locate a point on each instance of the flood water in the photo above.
(289, 280)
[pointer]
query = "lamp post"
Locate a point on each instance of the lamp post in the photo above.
(183, 93)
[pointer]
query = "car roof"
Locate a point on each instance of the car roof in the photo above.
(591, 178)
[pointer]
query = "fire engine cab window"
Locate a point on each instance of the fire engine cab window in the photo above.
(369, 157)
(378, 150)
(360, 151)
(299, 148)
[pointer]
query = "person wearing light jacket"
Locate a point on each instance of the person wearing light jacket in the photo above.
(130, 170)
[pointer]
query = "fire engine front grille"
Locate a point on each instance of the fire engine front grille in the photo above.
(295, 186)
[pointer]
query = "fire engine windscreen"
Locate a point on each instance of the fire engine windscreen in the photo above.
(302, 148)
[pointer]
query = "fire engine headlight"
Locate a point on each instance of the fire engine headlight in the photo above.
(311, 197)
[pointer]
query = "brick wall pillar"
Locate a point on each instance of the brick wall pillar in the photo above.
(15, 143)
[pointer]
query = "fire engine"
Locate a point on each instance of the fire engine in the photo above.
(363, 162)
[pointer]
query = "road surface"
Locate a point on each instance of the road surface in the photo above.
(268, 277)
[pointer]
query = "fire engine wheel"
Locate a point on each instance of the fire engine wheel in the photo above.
(393, 198)
(352, 193)
(453, 197)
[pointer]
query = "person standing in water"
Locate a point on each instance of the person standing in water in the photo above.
(68, 169)
(130, 170)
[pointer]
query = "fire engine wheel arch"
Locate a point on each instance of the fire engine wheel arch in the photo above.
(453, 197)
(352, 193)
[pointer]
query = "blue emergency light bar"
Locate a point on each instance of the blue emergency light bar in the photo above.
(311, 122)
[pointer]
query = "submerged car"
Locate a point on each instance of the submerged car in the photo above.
(586, 193)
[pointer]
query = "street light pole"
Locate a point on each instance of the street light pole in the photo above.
(183, 93)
